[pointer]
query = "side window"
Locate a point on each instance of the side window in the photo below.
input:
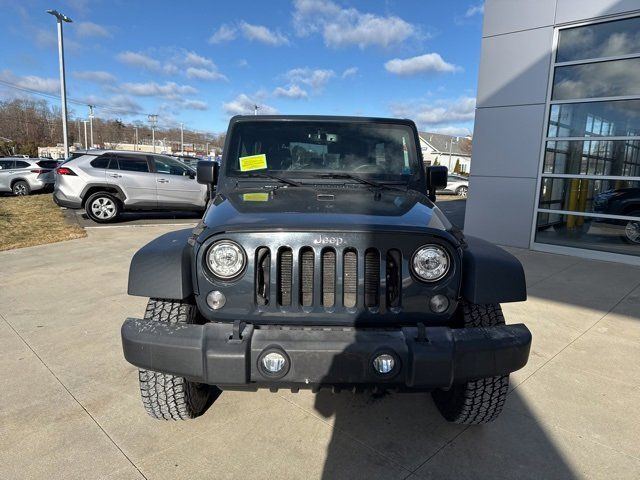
(169, 166)
(6, 164)
(21, 164)
(100, 162)
(132, 163)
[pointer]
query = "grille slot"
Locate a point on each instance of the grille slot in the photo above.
(328, 278)
(394, 278)
(371, 278)
(306, 277)
(285, 276)
(263, 268)
(350, 278)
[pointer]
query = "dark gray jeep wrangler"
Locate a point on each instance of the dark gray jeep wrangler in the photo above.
(322, 261)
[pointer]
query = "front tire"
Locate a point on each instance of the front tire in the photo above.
(102, 207)
(479, 401)
(632, 229)
(168, 397)
(462, 191)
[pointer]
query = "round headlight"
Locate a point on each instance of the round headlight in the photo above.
(226, 259)
(431, 263)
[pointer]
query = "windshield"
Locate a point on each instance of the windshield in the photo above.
(308, 149)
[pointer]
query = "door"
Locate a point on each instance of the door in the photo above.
(6, 167)
(134, 177)
(177, 185)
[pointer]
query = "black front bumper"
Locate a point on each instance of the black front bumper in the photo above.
(425, 358)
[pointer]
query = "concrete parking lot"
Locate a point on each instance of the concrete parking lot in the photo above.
(69, 403)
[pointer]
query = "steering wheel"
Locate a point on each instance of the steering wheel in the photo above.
(367, 167)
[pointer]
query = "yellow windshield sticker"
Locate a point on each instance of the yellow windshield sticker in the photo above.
(256, 197)
(253, 162)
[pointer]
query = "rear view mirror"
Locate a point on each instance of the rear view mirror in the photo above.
(436, 179)
(207, 172)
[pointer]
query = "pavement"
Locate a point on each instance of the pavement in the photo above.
(70, 407)
(136, 218)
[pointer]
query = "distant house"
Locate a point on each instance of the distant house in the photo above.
(446, 150)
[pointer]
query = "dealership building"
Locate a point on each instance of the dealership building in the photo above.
(556, 145)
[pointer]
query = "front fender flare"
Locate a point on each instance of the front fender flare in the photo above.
(491, 274)
(162, 268)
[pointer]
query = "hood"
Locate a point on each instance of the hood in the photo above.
(305, 208)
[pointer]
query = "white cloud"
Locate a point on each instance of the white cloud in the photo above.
(350, 72)
(474, 10)
(204, 74)
(293, 91)
(31, 82)
(458, 131)
(262, 34)
(96, 76)
(195, 105)
(243, 105)
(440, 112)
(242, 63)
(225, 33)
(170, 90)
(137, 59)
(341, 27)
(192, 59)
(117, 105)
(90, 29)
(316, 79)
(429, 62)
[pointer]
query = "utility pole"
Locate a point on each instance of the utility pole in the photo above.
(85, 134)
(255, 109)
(136, 146)
(91, 123)
(182, 138)
(451, 149)
(153, 119)
(207, 149)
(79, 136)
(63, 86)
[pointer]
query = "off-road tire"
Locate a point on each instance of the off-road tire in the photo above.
(479, 401)
(168, 397)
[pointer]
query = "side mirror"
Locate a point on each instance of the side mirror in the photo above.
(207, 172)
(436, 179)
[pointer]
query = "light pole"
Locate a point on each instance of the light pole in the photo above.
(182, 138)
(85, 134)
(255, 109)
(63, 86)
(136, 146)
(91, 123)
(153, 119)
(451, 149)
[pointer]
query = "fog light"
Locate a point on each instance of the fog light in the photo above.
(384, 363)
(439, 303)
(273, 362)
(216, 300)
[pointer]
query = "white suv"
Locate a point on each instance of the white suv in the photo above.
(106, 182)
(21, 176)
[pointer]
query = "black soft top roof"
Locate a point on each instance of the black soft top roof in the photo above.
(318, 118)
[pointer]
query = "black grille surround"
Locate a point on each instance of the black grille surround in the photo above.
(329, 278)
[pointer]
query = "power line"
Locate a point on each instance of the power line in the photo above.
(70, 100)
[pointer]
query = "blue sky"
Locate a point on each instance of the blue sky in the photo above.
(199, 62)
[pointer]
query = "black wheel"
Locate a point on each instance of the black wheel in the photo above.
(632, 229)
(479, 401)
(21, 188)
(102, 207)
(462, 191)
(164, 396)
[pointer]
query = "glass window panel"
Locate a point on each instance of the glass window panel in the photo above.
(609, 39)
(593, 157)
(616, 236)
(612, 197)
(621, 117)
(601, 79)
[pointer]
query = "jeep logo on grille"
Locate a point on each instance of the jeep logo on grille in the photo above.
(326, 240)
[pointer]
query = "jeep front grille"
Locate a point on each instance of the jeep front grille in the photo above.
(329, 278)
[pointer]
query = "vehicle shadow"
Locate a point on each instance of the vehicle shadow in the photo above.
(142, 218)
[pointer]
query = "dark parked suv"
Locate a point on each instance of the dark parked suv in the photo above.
(323, 262)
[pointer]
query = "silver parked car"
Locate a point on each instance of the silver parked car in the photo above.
(106, 182)
(25, 175)
(456, 184)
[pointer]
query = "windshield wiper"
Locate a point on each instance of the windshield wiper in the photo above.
(273, 177)
(365, 181)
